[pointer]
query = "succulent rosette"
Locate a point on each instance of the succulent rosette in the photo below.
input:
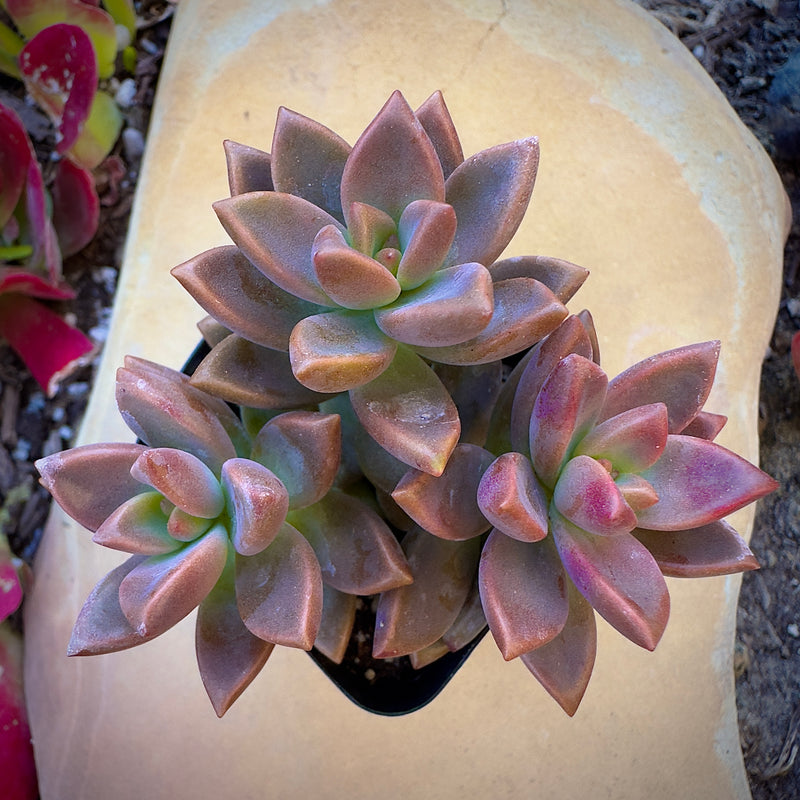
(596, 491)
(368, 263)
(205, 512)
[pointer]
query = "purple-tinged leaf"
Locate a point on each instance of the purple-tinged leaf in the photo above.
(569, 337)
(425, 231)
(697, 482)
(21, 281)
(239, 296)
(415, 616)
(393, 163)
(303, 449)
(247, 374)
(490, 192)
(713, 549)
(438, 124)
(338, 617)
(184, 527)
(138, 526)
(562, 278)
(10, 583)
(339, 350)
(15, 155)
(356, 550)
(101, 626)
(427, 655)
(257, 503)
(183, 479)
(632, 440)
(409, 413)
(680, 378)
(76, 207)
(523, 593)
(470, 622)
(350, 278)
(213, 332)
(564, 665)
(619, 577)
(454, 306)
(447, 506)
(276, 232)
(587, 496)
(74, 477)
(279, 591)
(308, 160)
(162, 590)
(566, 408)
(705, 426)
(228, 655)
(379, 467)
(512, 499)
(46, 255)
(638, 493)
(369, 228)
(587, 321)
(249, 169)
(60, 72)
(525, 311)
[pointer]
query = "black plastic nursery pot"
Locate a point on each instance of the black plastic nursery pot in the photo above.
(390, 687)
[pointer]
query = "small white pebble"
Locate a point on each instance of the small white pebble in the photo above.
(699, 51)
(132, 144)
(793, 630)
(77, 389)
(65, 432)
(123, 37)
(58, 414)
(149, 47)
(21, 451)
(793, 304)
(126, 92)
(369, 674)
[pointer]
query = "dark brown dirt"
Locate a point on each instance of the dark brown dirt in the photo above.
(744, 45)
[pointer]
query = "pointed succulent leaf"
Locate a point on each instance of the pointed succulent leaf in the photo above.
(638, 493)
(446, 506)
(279, 591)
(184, 527)
(470, 622)
(525, 311)
(76, 207)
(415, 616)
(562, 278)
(454, 306)
(257, 503)
(338, 618)
(303, 449)
(587, 496)
(393, 163)
(338, 350)
(15, 155)
(680, 378)
(99, 133)
(438, 124)
(632, 440)
(308, 160)
(74, 477)
(182, 478)
(697, 482)
(490, 192)
(705, 426)
(276, 232)
(588, 323)
(619, 577)
(409, 413)
(162, 590)
(565, 409)
(523, 593)
(239, 296)
(379, 467)
(213, 332)
(498, 437)
(249, 375)
(425, 231)
(369, 228)
(350, 278)
(512, 499)
(356, 550)
(713, 549)
(427, 655)
(60, 72)
(101, 626)
(138, 526)
(564, 665)
(249, 169)
(161, 407)
(228, 655)
(569, 337)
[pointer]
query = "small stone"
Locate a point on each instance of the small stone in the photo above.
(125, 94)
(793, 630)
(698, 51)
(132, 144)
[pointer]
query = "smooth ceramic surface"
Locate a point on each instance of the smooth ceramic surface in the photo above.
(647, 178)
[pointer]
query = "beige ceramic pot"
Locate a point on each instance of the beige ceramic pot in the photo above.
(648, 178)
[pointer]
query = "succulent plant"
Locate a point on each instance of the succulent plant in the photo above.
(386, 445)
(31, 248)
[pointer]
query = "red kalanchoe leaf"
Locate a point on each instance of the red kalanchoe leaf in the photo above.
(796, 353)
(249, 169)
(15, 155)
(10, 584)
(438, 124)
(49, 346)
(713, 549)
(46, 255)
(23, 282)
(523, 593)
(619, 577)
(564, 665)
(59, 68)
(697, 482)
(76, 207)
